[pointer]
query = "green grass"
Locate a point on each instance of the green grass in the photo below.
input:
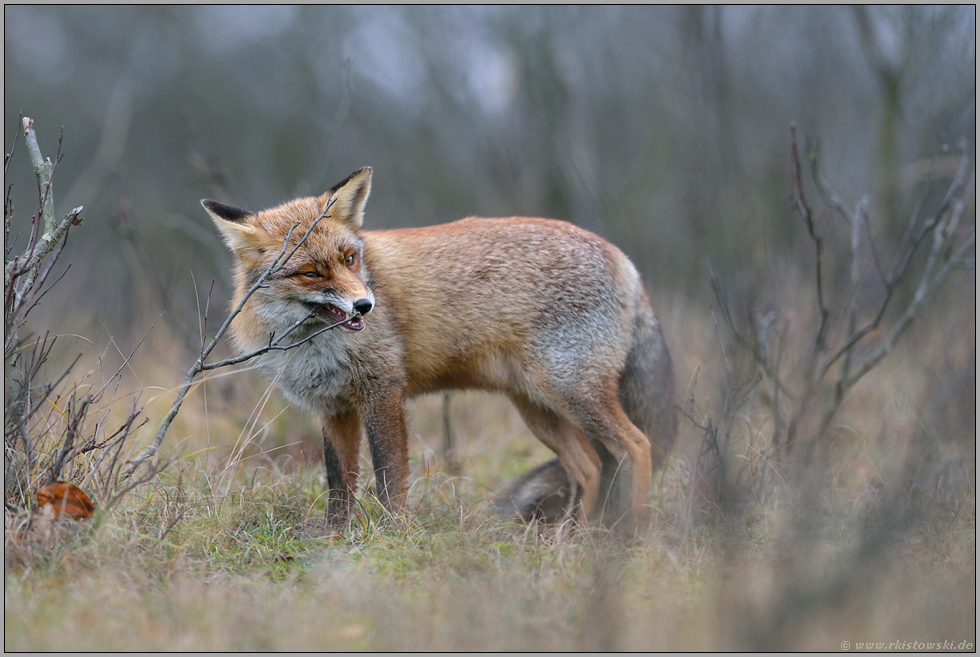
(255, 570)
(227, 549)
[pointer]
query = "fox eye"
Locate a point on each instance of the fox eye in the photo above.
(310, 274)
(349, 260)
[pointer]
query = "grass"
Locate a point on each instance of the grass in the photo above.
(242, 572)
(226, 551)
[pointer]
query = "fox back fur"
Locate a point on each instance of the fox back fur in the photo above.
(551, 315)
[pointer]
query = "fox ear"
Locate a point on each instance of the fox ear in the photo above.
(237, 227)
(349, 197)
(227, 212)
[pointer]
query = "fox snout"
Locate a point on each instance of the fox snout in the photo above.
(350, 320)
(363, 306)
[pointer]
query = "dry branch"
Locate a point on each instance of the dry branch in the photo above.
(50, 421)
(53, 231)
(801, 206)
(819, 388)
(275, 341)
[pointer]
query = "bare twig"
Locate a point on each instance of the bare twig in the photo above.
(200, 365)
(724, 354)
(855, 288)
(13, 146)
(53, 230)
(801, 206)
(155, 467)
(955, 200)
(926, 287)
(274, 344)
(753, 348)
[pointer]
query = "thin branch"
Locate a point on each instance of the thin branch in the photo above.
(40, 284)
(207, 309)
(864, 218)
(43, 168)
(830, 197)
(753, 348)
(155, 468)
(724, 354)
(927, 285)
(116, 439)
(800, 204)
(200, 366)
(959, 206)
(952, 263)
(855, 287)
(44, 247)
(125, 362)
(274, 345)
(7, 157)
(962, 191)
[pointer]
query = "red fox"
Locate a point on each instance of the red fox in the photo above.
(549, 314)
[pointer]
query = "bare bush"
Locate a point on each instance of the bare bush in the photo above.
(66, 428)
(62, 428)
(849, 337)
(790, 369)
(802, 365)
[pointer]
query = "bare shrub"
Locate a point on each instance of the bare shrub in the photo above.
(65, 427)
(795, 360)
(864, 304)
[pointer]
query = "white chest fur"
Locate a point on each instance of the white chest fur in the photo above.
(316, 375)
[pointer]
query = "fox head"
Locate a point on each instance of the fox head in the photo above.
(325, 279)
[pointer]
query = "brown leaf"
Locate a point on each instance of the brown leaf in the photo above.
(67, 499)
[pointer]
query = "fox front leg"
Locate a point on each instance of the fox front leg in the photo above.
(341, 445)
(387, 433)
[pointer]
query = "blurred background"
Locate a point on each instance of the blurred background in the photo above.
(665, 129)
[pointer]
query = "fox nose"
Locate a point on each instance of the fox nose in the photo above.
(363, 306)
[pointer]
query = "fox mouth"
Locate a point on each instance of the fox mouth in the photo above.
(334, 315)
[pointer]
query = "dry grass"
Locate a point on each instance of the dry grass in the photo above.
(225, 552)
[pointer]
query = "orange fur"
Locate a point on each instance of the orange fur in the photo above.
(549, 314)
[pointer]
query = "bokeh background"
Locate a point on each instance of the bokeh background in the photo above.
(662, 128)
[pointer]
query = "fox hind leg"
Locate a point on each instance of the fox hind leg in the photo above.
(605, 420)
(570, 444)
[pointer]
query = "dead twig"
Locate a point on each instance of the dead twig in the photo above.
(801, 206)
(50, 424)
(275, 342)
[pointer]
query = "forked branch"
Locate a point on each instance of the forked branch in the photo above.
(835, 364)
(801, 206)
(275, 342)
